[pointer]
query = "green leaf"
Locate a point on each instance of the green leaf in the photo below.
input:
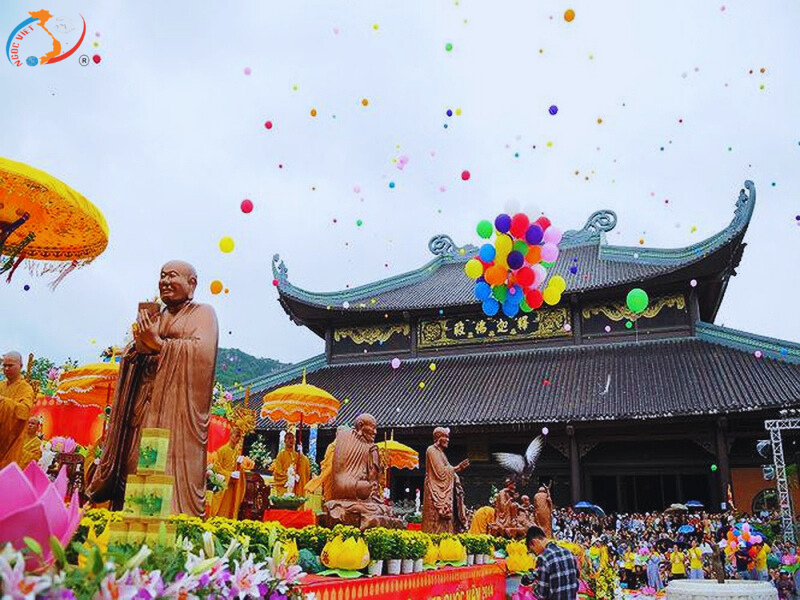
(33, 546)
(343, 573)
(96, 561)
(58, 551)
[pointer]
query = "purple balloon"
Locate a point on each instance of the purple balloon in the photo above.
(534, 235)
(502, 223)
(515, 259)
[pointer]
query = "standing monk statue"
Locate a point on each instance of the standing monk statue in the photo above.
(165, 381)
(16, 401)
(443, 505)
(543, 509)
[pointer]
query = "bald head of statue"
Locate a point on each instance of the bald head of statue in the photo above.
(366, 427)
(177, 283)
(12, 366)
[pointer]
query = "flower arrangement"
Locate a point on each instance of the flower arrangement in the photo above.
(62, 444)
(518, 561)
(215, 482)
(606, 583)
(260, 455)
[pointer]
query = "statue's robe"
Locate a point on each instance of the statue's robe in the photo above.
(443, 503)
(481, 520)
(227, 501)
(280, 469)
(16, 401)
(31, 449)
(171, 390)
(324, 478)
(543, 508)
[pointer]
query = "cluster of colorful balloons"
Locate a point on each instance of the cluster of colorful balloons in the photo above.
(742, 536)
(509, 273)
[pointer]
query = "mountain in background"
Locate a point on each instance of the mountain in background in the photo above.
(235, 366)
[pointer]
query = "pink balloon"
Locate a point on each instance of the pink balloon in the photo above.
(395, 363)
(549, 252)
(552, 235)
(539, 274)
(545, 431)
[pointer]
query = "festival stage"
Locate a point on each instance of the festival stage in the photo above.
(479, 582)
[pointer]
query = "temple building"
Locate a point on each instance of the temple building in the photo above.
(643, 410)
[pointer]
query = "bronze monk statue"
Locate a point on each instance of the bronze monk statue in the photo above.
(355, 490)
(443, 505)
(165, 381)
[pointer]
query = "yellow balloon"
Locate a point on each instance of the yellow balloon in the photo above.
(503, 245)
(226, 244)
(473, 268)
(558, 283)
(551, 296)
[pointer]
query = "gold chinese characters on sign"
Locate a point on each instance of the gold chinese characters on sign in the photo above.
(546, 323)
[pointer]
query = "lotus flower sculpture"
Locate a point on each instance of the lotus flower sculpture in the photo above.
(452, 552)
(345, 557)
(33, 506)
(518, 561)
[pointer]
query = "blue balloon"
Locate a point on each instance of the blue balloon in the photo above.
(515, 259)
(482, 290)
(490, 307)
(502, 223)
(510, 309)
(517, 297)
(487, 253)
(534, 234)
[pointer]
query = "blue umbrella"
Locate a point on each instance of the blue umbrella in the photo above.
(686, 529)
(584, 504)
(694, 504)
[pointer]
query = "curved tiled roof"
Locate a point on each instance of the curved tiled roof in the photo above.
(441, 283)
(715, 372)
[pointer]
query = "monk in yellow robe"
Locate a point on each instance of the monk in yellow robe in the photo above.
(227, 501)
(165, 380)
(31, 445)
(481, 520)
(286, 458)
(323, 480)
(16, 401)
(443, 505)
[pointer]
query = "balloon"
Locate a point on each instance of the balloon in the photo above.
(534, 298)
(534, 255)
(549, 253)
(510, 309)
(545, 431)
(495, 275)
(521, 247)
(502, 223)
(490, 307)
(226, 244)
(519, 225)
(637, 300)
(757, 539)
(746, 536)
(395, 363)
(539, 273)
(247, 206)
(482, 290)
(487, 252)
(525, 277)
(558, 283)
(746, 527)
(534, 234)
(485, 229)
(500, 292)
(713, 467)
(216, 287)
(515, 294)
(473, 268)
(552, 235)
(524, 306)
(515, 259)
(503, 245)
(551, 296)
(543, 222)
(569, 15)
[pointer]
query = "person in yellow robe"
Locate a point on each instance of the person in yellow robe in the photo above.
(286, 458)
(31, 444)
(16, 401)
(323, 480)
(481, 519)
(227, 501)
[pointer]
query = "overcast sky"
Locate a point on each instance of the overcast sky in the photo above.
(166, 136)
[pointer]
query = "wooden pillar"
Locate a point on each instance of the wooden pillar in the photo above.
(574, 467)
(723, 468)
(620, 496)
(679, 489)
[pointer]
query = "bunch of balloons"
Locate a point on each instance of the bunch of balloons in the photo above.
(741, 536)
(510, 271)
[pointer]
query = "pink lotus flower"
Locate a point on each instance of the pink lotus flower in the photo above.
(33, 507)
(63, 444)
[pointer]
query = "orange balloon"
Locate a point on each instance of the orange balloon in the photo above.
(495, 275)
(569, 14)
(534, 255)
(216, 286)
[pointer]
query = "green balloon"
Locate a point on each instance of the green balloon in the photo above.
(485, 229)
(713, 467)
(637, 300)
(524, 306)
(500, 292)
(547, 265)
(628, 324)
(521, 247)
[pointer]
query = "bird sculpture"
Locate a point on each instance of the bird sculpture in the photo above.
(522, 465)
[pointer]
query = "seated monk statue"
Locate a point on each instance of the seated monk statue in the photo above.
(507, 519)
(355, 490)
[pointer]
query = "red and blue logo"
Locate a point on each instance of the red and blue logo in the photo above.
(46, 38)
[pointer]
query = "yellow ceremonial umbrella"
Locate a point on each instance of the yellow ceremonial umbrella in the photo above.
(395, 454)
(89, 385)
(43, 219)
(300, 403)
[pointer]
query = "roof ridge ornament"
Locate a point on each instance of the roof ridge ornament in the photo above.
(443, 245)
(598, 223)
(279, 271)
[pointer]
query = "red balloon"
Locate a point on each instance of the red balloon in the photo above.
(534, 298)
(543, 222)
(247, 206)
(519, 225)
(525, 276)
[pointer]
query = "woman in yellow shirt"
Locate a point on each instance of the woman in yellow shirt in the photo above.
(695, 561)
(677, 561)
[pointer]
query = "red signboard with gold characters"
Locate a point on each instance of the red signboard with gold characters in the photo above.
(481, 582)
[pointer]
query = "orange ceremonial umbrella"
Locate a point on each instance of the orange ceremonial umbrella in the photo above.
(89, 385)
(395, 454)
(300, 403)
(43, 219)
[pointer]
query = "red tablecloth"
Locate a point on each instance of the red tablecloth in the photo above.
(481, 582)
(296, 519)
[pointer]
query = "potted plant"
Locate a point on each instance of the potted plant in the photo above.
(472, 544)
(420, 547)
(393, 556)
(407, 552)
(379, 544)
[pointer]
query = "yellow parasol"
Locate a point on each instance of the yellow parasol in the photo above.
(300, 403)
(43, 219)
(395, 454)
(89, 385)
